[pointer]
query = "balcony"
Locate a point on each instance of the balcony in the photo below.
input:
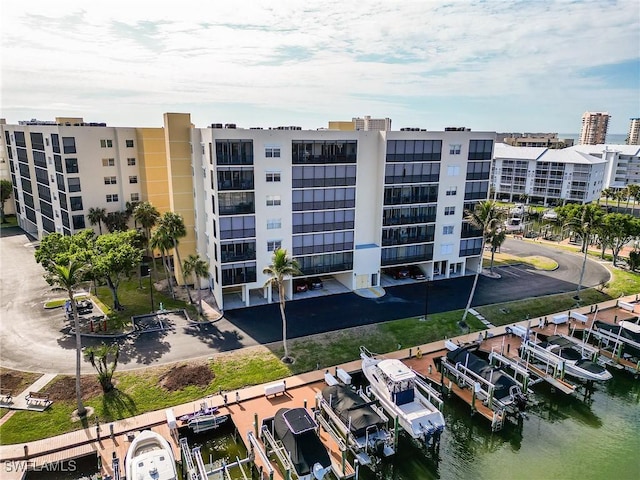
(239, 209)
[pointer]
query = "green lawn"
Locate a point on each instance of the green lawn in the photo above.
(509, 312)
(10, 221)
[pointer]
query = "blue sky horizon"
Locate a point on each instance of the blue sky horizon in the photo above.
(495, 66)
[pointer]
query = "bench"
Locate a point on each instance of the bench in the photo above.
(6, 396)
(580, 317)
(38, 398)
(275, 388)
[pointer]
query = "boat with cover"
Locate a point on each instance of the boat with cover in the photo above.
(497, 385)
(575, 364)
(357, 415)
(202, 423)
(296, 429)
(395, 386)
(150, 457)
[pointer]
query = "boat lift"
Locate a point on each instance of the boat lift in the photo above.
(189, 469)
(195, 468)
(549, 366)
(339, 430)
(612, 344)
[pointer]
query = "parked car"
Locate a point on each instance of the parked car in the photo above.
(398, 272)
(416, 273)
(315, 283)
(300, 285)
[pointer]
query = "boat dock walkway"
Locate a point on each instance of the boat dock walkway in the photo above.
(105, 439)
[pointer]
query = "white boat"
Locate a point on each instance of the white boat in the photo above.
(556, 347)
(394, 386)
(518, 209)
(550, 215)
(513, 224)
(202, 423)
(150, 457)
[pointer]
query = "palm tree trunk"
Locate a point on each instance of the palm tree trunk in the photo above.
(76, 323)
(475, 283)
(186, 284)
(284, 321)
(584, 264)
(493, 252)
(167, 273)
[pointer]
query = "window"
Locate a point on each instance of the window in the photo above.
(273, 200)
(76, 203)
(129, 143)
(71, 164)
(447, 230)
(274, 223)
(131, 162)
(454, 149)
(133, 179)
(74, 184)
(451, 191)
(273, 245)
(108, 162)
(272, 152)
(69, 144)
(135, 197)
(273, 176)
(446, 249)
(480, 149)
(78, 222)
(113, 197)
(110, 180)
(453, 170)
(449, 210)
(105, 143)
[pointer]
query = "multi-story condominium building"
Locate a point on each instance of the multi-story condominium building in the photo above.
(547, 140)
(594, 128)
(622, 163)
(367, 123)
(547, 176)
(633, 137)
(343, 203)
(4, 171)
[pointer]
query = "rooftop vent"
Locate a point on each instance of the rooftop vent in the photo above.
(216, 125)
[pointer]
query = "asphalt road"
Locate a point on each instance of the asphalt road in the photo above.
(33, 339)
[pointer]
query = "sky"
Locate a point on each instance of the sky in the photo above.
(494, 65)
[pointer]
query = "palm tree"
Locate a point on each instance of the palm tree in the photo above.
(485, 217)
(199, 268)
(282, 266)
(97, 216)
(173, 225)
(68, 278)
(147, 215)
(634, 191)
(495, 239)
(586, 225)
(160, 240)
(99, 358)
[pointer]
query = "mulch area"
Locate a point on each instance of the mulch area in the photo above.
(64, 388)
(181, 376)
(15, 381)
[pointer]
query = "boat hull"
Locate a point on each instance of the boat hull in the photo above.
(150, 456)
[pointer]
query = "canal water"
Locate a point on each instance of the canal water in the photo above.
(594, 436)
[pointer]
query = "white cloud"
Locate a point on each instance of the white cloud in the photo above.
(329, 59)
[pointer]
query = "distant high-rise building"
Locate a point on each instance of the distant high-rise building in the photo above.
(633, 138)
(594, 128)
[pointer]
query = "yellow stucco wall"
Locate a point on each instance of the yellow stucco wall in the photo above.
(340, 125)
(153, 167)
(177, 136)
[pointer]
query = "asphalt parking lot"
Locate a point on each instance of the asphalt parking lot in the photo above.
(33, 339)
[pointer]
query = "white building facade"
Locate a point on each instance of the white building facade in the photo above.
(547, 176)
(343, 203)
(622, 163)
(59, 172)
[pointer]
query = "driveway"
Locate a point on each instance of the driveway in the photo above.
(34, 339)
